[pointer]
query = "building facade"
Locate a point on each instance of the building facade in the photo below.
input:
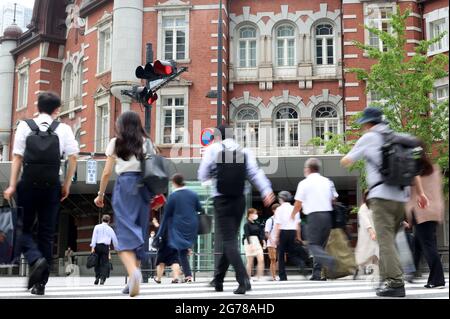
(284, 79)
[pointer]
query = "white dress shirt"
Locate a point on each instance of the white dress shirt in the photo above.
(283, 217)
(316, 194)
(68, 145)
(103, 234)
(207, 168)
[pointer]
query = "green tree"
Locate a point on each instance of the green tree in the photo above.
(405, 85)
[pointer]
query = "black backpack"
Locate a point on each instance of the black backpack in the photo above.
(401, 154)
(42, 157)
(231, 172)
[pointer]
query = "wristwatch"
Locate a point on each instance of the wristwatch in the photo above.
(100, 194)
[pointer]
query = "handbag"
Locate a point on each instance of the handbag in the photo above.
(204, 224)
(92, 260)
(154, 171)
(10, 231)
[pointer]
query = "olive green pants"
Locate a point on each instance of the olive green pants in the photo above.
(387, 217)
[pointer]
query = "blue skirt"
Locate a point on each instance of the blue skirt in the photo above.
(131, 205)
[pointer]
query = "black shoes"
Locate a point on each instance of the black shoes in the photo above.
(317, 279)
(430, 286)
(218, 286)
(391, 292)
(36, 272)
(38, 289)
(102, 281)
(243, 288)
(96, 281)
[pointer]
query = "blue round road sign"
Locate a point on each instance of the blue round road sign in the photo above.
(207, 136)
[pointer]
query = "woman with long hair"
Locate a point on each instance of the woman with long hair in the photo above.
(130, 200)
(425, 220)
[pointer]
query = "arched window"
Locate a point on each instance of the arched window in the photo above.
(324, 44)
(247, 47)
(326, 121)
(67, 85)
(287, 125)
(247, 127)
(285, 45)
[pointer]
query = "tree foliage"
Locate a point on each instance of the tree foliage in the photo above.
(404, 85)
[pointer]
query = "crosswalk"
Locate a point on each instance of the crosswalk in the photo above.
(296, 288)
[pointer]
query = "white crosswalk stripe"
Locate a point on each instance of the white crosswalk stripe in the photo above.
(293, 289)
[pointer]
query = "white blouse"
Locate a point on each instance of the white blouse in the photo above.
(122, 166)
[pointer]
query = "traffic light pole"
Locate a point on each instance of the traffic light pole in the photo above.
(219, 67)
(148, 107)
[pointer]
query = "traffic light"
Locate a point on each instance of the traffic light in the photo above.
(156, 71)
(143, 95)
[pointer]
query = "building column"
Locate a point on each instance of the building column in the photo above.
(308, 48)
(301, 46)
(262, 48)
(269, 49)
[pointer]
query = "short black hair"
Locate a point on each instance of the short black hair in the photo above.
(106, 218)
(48, 102)
(178, 179)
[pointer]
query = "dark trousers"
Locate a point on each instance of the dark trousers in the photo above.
(287, 245)
(40, 209)
(152, 262)
(184, 261)
(319, 227)
(228, 216)
(102, 267)
(425, 234)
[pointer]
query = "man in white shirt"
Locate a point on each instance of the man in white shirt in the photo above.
(287, 232)
(39, 191)
(102, 237)
(315, 195)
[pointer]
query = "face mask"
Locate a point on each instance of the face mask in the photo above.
(152, 235)
(254, 217)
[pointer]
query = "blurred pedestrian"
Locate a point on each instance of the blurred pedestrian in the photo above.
(315, 195)
(287, 233)
(367, 251)
(253, 243)
(179, 225)
(270, 240)
(386, 201)
(152, 251)
(131, 200)
(425, 220)
(102, 237)
(229, 165)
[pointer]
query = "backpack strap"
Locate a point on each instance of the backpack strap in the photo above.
(53, 126)
(32, 125)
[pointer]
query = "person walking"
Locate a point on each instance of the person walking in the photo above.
(39, 144)
(152, 252)
(287, 233)
(386, 201)
(367, 251)
(130, 200)
(315, 195)
(179, 225)
(253, 243)
(269, 230)
(229, 165)
(102, 237)
(425, 220)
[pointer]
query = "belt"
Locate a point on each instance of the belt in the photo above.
(130, 173)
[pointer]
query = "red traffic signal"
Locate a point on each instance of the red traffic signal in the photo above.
(164, 67)
(151, 97)
(158, 70)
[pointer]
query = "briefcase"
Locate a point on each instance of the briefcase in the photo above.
(92, 260)
(204, 224)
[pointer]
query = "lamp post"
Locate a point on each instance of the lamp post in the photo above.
(219, 66)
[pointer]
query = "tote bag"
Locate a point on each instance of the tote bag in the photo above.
(154, 171)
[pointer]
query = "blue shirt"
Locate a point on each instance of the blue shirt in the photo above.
(103, 234)
(254, 173)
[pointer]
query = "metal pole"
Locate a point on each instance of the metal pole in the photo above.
(219, 66)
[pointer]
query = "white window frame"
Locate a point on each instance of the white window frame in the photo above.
(172, 92)
(67, 97)
(244, 135)
(440, 84)
(102, 102)
(324, 39)
(22, 88)
(166, 13)
(431, 18)
(286, 40)
(174, 29)
(247, 42)
(287, 124)
(327, 121)
(102, 67)
(378, 20)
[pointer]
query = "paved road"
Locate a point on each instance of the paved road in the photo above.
(297, 287)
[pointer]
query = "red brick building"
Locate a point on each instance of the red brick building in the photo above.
(284, 79)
